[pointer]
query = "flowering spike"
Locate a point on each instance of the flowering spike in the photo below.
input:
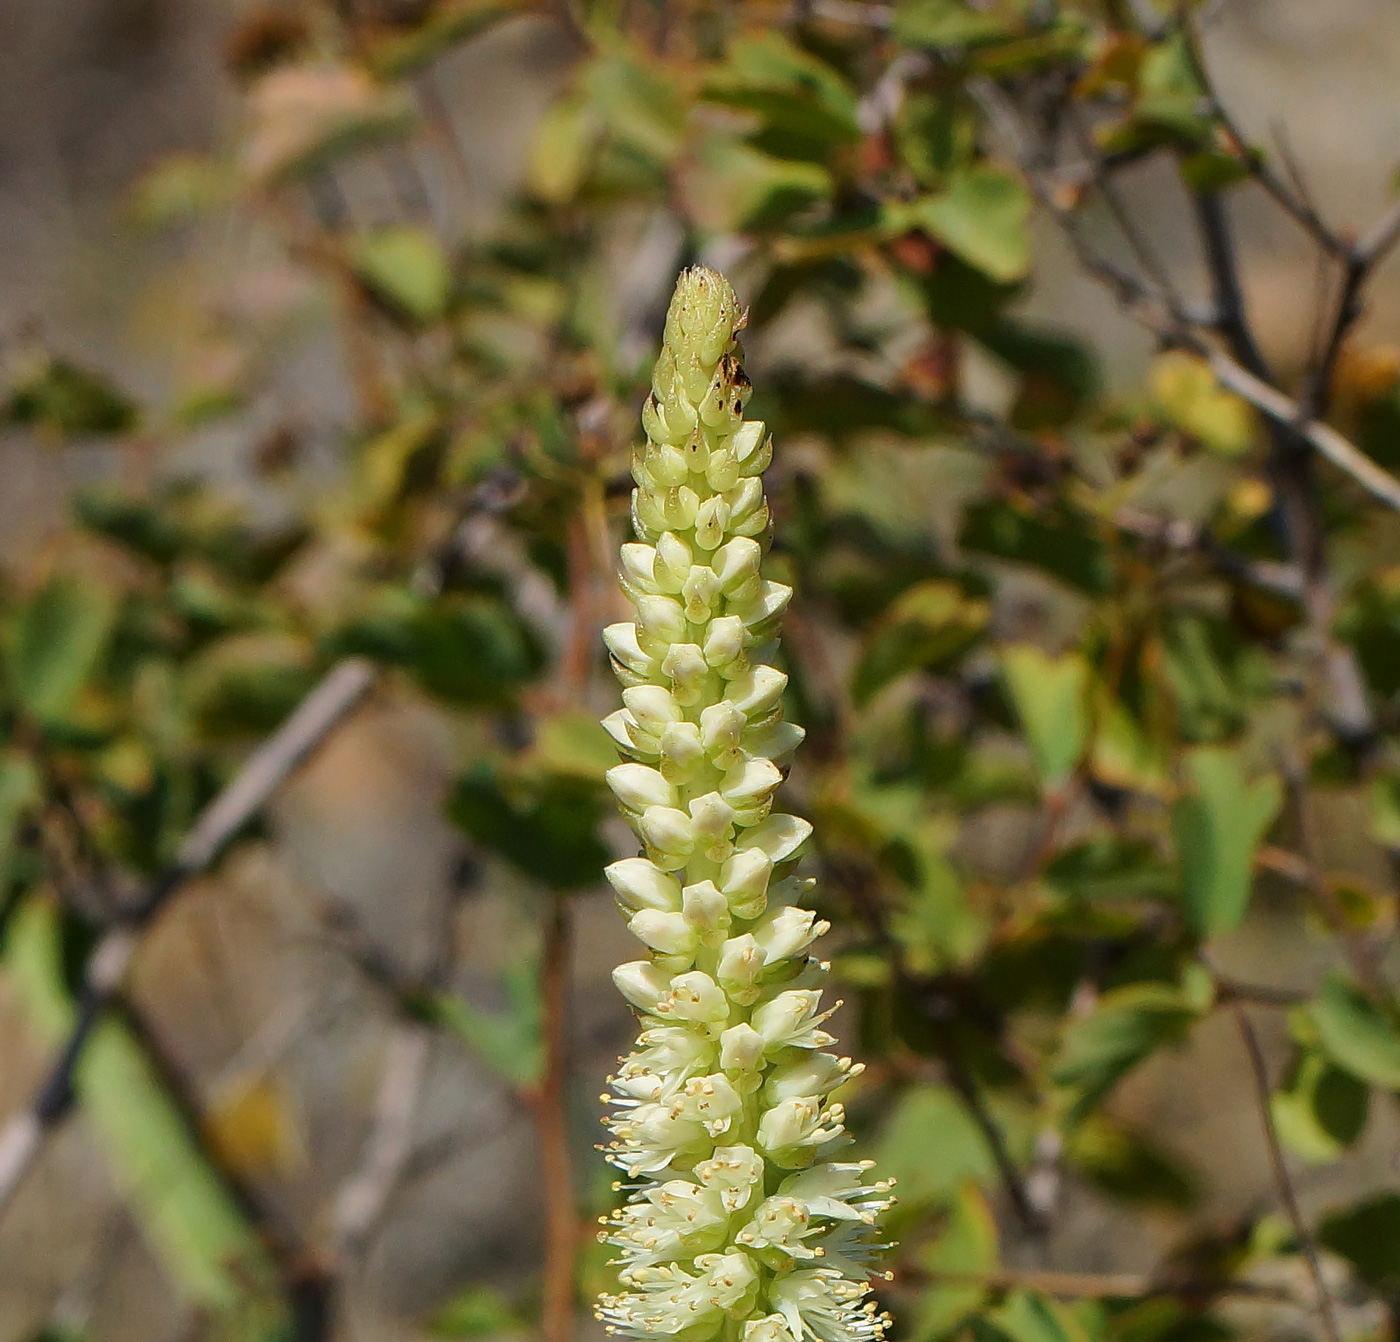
(739, 1222)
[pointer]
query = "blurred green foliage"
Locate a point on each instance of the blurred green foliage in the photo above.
(1150, 722)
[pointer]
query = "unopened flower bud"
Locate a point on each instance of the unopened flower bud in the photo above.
(668, 933)
(673, 562)
(751, 785)
(744, 880)
(642, 984)
(758, 692)
(721, 729)
(621, 640)
(667, 831)
(638, 568)
(700, 590)
(652, 706)
(736, 564)
(711, 519)
(726, 641)
(636, 786)
(681, 751)
(660, 623)
(685, 664)
(711, 821)
(639, 885)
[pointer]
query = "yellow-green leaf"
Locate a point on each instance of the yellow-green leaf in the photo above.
(211, 1254)
(1050, 696)
(406, 267)
(1354, 1033)
(1188, 396)
(984, 217)
(56, 643)
(1217, 826)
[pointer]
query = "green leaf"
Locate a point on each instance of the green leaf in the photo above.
(807, 108)
(563, 147)
(1025, 1317)
(1367, 1235)
(1204, 675)
(247, 684)
(1207, 170)
(641, 102)
(1127, 1166)
(472, 649)
(1169, 94)
(570, 745)
(67, 400)
(925, 1119)
(934, 922)
(509, 1040)
(56, 644)
(735, 186)
(405, 267)
(947, 23)
(1060, 543)
(984, 217)
(1354, 1033)
(1322, 1112)
(548, 834)
(925, 627)
(197, 1233)
(966, 1244)
(477, 1311)
(1127, 1026)
(1217, 827)
(19, 790)
(1050, 695)
(1188, 396)
(1109, 867)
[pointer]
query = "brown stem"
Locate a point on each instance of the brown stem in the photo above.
(1282, 1179)
(560, 1213)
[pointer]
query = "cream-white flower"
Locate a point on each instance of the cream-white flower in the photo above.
(740, 1225)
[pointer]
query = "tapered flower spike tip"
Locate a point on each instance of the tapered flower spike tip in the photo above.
(740, 1224)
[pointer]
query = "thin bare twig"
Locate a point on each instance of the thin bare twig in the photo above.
(1133, 298)
(1282, 1179)
(1176, 534)
(363, 1199)
(266, 769)
(1232, 320)
(1297, 206)
(561, 1224)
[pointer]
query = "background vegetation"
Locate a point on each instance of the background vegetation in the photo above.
(1095, 640)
